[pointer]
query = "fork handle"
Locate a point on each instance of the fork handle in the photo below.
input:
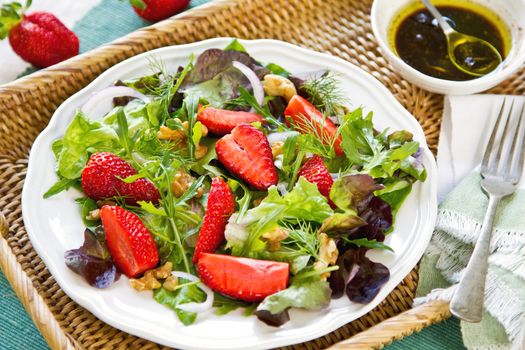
(467, 302)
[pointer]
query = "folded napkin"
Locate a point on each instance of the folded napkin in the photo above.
(466, 127)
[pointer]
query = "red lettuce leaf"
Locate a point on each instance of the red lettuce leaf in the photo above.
(214, 61)
(367, 279)
(358, 276)
(92, 260)
(378, 217)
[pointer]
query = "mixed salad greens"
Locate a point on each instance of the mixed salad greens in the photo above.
(230, 183)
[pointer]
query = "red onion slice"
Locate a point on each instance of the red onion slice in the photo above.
(195, 307)
(101, 102)
(280, 136)
(258, 90)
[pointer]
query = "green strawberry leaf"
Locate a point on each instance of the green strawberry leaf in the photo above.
(10, 15)
(140, 4)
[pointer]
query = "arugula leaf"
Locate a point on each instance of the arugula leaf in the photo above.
(172, 299)
(196, 133)
(224, 305)
(59, 186)
(394, 193)
(148, 207)
(367, 243)
(235, 45)
(250, 99)
(86, 206)
(277, 69)
(376, 154)
(191, 102)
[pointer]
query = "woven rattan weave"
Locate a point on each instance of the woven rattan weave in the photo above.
(338, 27)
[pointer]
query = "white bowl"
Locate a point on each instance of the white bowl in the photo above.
(511, 12)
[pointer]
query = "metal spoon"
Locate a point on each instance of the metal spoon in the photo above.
(469, 54)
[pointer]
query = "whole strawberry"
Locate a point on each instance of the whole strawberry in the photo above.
(221, 206)
(156, 10)
(39, 38)
(102, 178)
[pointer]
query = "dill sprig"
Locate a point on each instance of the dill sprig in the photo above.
(170, 83)
(302, 239)
(326, 94)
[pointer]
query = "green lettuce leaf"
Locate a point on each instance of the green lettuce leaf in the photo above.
(303, 203)
(309, 295)
(172, 299)
(81, 137)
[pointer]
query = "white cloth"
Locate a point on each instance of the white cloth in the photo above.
(67, 11)
(465, 131)
(467, 124)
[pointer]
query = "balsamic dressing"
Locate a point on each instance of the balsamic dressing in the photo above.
(419, 41)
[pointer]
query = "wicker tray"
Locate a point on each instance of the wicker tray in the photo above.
(338, 27)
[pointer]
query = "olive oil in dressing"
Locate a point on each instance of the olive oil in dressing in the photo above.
(419, 41)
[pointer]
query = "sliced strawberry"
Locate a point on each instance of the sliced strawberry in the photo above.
(101, 178)
(246, 153)
(130, 243)
(315, 171)
(242, 278)
(307, 119)
(223, 121)
(221, 206)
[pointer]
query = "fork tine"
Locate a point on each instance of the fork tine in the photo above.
(518, 148)
(503, 159)
(487, 157)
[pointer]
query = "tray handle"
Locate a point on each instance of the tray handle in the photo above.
(28, 295)
(397, 327)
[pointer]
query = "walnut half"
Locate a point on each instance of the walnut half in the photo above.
(328, 254)
(276, 85)
(150, 280)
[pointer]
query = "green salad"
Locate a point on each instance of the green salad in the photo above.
(233, 183)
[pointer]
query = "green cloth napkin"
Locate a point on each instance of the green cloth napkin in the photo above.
(457, 228)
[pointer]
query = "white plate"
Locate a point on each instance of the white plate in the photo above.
(54, 225)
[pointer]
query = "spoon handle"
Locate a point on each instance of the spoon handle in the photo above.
(437, 15)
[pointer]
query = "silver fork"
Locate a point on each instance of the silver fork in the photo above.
(501, 170)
